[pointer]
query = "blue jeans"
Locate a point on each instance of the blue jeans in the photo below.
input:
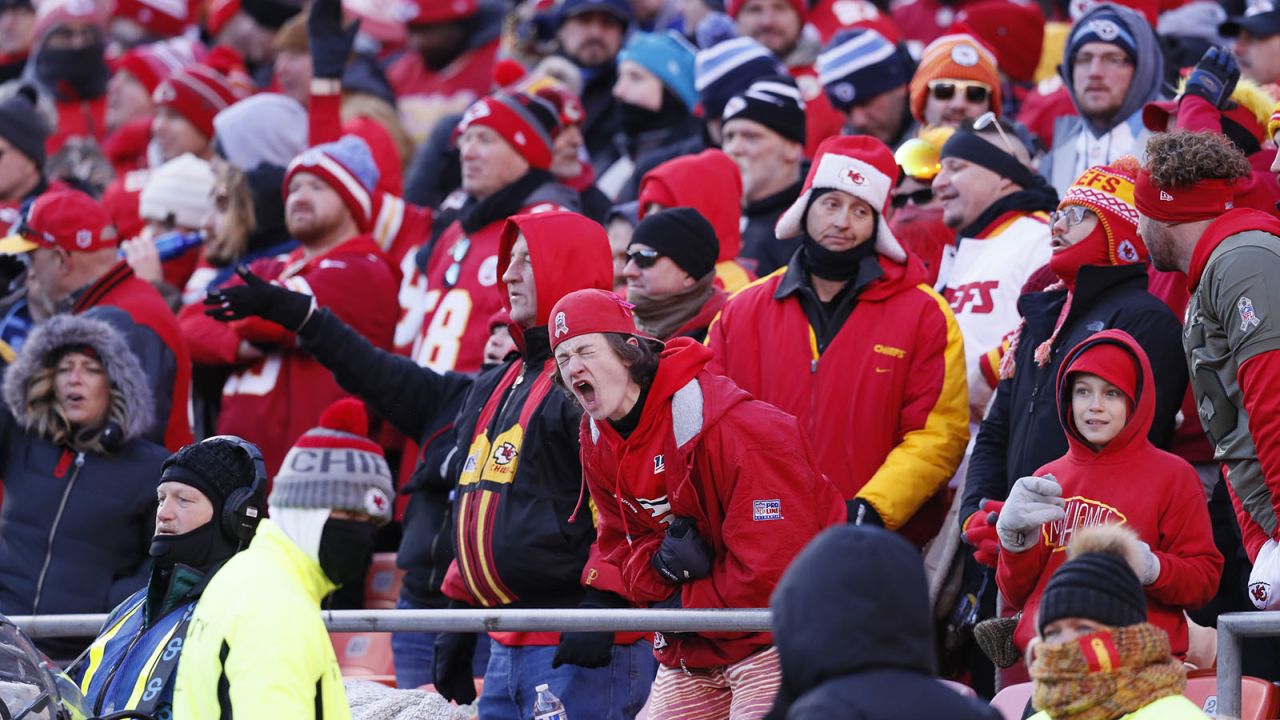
(414, 654)
(615, 692)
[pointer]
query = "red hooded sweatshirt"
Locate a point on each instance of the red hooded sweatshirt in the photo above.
(1129, 482)
(708, 182)
(741, 468)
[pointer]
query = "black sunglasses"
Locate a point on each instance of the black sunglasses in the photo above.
(973, 92)
(923, 196)
(644, 259)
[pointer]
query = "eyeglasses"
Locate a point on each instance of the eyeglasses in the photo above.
(1072, 215)
(457, 253)
(974, 92)
(644, 259)
(1110, 61)
(924, 196)
(918, 159)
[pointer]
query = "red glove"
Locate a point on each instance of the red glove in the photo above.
(979, 530)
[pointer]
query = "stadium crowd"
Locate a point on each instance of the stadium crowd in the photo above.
(941, 327)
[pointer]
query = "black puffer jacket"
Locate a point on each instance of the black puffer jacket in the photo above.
(76, 524)
(854, 632)
(1021, 431)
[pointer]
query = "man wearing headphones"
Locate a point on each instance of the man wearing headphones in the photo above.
(210, 497)
(258, 647)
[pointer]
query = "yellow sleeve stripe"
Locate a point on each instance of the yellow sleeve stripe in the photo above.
(926, 458)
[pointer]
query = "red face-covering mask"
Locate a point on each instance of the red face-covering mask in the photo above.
(1091, 250)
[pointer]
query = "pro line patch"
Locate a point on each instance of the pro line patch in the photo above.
(766, 509)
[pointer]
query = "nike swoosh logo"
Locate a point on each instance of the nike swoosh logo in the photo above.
(883, 370)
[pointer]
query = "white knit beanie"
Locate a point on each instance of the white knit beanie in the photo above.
(181, 189)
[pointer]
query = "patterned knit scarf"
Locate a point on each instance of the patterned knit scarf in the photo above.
(1044, 351)
(1107, 674)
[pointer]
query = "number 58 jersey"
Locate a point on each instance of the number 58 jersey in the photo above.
(446, 299)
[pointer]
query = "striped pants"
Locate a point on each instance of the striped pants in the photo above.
(741, 691)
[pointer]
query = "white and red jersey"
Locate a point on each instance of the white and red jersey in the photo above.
(982, 278)
(446, 302)
(277, 398)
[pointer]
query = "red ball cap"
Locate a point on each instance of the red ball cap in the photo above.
(583, 312)
(68, 219)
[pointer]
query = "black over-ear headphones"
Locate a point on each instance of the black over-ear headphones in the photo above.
(245, 505)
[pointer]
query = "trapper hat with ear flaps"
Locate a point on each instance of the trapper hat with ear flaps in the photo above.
(859, 165)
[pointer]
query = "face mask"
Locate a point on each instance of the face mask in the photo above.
(1090, 250)
(346, 547)
(81, 70)
(841, 266)
(201, 548)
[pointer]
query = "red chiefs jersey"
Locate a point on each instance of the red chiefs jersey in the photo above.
(423, 96)
(274, 400)
(445, 311)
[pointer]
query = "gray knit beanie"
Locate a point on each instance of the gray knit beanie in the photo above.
(336, 466)
(22, 125)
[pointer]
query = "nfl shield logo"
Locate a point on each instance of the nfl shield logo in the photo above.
(766, 510)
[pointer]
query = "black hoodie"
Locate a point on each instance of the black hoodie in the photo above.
(854, 632)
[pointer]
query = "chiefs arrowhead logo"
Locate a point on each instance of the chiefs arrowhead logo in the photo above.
(854, 177)
(1259, 593)
(505, 453)
(376, 502)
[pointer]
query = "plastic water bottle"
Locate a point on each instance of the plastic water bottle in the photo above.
(548, 706)
(172, 244)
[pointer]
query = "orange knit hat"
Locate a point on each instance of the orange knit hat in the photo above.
(954, 57)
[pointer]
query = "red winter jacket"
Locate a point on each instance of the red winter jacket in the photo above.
(710, 183)
(741, 468)
(154, 336)
(885, 405)
(277, 398)
(1156, 494)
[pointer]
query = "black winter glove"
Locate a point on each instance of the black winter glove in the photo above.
(260, 298)
(589, 649)
(1214, 77)
(861, 513)
(330, 44)
(451, 675)
(683, 556)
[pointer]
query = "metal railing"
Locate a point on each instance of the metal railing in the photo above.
(560, 619)
(1232, 629)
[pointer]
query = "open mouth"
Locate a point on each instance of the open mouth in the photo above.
(1056, 243)
(586, 393)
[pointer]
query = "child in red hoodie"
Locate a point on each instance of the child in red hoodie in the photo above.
(1110, 474)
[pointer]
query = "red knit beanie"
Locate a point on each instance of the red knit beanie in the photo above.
(529, 124)
(1107, 190)
(197, 94)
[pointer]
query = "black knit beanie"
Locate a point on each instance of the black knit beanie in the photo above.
(22, 125)
(683, 235)
(1097, 586)
(215, 467)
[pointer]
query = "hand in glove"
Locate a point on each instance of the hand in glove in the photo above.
(1214, 77)
(451, 674)
(1150, 569)
(1032, 502)
(330, 44)
(589, 649)
(1264, 581)
(861, 513)
(683, 556)
(979, 530)
(260, 298)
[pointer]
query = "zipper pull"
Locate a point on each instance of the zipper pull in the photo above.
(80, 459)
(524, 367)
(813, 365)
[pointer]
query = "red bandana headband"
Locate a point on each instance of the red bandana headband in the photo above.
(1205, 200)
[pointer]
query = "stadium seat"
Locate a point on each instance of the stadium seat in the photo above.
(1260, 701)
(382, 584)
(959, 687)
(366, 656)
(1012, 701)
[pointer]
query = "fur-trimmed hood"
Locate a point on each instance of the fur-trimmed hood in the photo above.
(122, 366)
